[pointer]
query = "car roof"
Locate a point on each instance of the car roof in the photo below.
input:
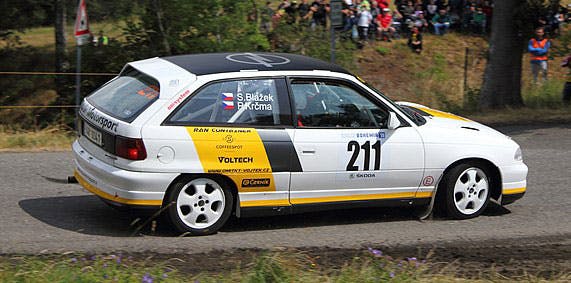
(212, 63)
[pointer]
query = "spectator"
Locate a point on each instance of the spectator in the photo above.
(408, 11)
(383, 4)
(375, 12)
(431, 9)
(421, 23)
(102, 40)
(363, 23)
(538, 48)
(385, 20)
(319, 14)
(567, 88)
(441, 22)
(479, 21)
(415, 40)
(303, 12)
(267, 15)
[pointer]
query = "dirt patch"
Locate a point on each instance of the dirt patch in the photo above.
(545, 257)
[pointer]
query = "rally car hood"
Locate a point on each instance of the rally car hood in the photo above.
(451, 126)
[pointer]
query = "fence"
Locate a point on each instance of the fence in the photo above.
(36, 112)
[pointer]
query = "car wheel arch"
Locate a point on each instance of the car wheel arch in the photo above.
(490, 167)
(232, 186)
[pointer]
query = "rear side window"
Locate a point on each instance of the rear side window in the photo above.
(126, 96)
(243, 102)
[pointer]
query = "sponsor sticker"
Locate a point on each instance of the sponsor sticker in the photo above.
(235, 152)
(252, 183)
(428, 181)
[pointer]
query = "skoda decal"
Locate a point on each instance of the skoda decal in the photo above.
(258, 59)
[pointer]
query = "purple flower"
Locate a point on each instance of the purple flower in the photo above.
(147, 278)
(165, 275)
(73, 260)
(411, 258)
(93, 257)
(375, 252)
(118, 260)
(104, 265)
(392, 274)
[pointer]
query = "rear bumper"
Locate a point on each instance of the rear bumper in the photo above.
(118, 186)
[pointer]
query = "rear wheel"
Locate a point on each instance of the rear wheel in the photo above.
(467, 190)
(199, 205)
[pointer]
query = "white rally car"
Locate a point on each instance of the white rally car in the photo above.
(210, 135)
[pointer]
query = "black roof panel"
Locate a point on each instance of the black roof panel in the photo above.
(211, 63)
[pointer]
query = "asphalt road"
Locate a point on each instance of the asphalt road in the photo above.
(40, 215)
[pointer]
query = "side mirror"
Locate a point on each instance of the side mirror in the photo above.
(394, 121)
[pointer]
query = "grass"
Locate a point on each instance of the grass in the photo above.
(49, 139)
(44, 36)
(369, 266)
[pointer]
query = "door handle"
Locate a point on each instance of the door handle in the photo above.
(308, 151)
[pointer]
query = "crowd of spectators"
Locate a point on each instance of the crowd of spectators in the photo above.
(368, 20)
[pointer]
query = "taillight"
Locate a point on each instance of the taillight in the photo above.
(129, 148)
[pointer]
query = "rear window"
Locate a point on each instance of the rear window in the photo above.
(126, 96)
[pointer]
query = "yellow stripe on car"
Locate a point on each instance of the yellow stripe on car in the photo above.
(113, 198)
(513, 191)
(441, 114)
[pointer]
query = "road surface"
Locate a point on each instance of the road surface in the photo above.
(40, 215)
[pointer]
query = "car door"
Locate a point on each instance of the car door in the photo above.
(345, 149)
(235, 128)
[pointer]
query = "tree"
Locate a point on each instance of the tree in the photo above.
(502, 76)
(61, 60)
(512, 24)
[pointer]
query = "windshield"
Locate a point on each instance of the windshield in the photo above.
(417, 119)
(126, 96)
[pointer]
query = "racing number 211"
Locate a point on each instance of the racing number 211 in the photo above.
(355, 147)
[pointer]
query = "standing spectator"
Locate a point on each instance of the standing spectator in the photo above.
(375, 12)
(538, 48)
(385, 20)
(415, 40)
(441, 22)
(479, 21)
(303, 12)
(364, 22)
(267, 15)
(319, 14)
(383, 4)
(567, 88)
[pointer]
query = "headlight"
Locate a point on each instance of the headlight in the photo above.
(518, 156)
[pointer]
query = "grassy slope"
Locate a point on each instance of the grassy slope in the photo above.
(434, 78)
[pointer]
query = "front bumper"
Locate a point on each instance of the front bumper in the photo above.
(119, 186)
(514, 182)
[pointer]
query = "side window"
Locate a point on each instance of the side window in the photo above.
(251, 102)
(331, 104)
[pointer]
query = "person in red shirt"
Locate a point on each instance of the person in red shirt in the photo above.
(383, 4)
(385, 21)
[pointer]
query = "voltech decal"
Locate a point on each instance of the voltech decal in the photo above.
(234, 152)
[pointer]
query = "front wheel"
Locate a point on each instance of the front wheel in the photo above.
(467, 191)
(199, 205)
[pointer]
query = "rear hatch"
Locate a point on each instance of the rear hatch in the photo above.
(105, 128)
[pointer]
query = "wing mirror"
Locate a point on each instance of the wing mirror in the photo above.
(394, 121)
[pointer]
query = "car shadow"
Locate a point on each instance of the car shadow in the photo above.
(89, 215)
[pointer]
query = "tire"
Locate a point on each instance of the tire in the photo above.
(199, 205)
(467, 190)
